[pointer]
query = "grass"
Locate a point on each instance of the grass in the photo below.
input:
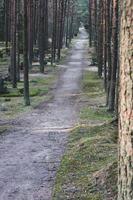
(95, 109)
(4, 65)
(92, 85)
(96, 113)
(89, 151)
(16, 106)
(12, 103)
(88, 170)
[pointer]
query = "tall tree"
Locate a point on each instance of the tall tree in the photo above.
(41, 33)
(125, 184)
(13, 71)
(90, 22)
(30, 31)
(6, 23)
(25, 52)
(112, 92)
(54, 34)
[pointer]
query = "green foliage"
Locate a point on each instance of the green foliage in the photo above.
(83, 11)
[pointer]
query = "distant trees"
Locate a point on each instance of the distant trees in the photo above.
(65, 23)
(110, 30)
(103, 31)
(36, 30)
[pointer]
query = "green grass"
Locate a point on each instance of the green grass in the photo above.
(92, 85)
(89, 151)
(13, 102)
(4, 65)
(96, 113)
(16, 106)
(94, 94)
(38, 86)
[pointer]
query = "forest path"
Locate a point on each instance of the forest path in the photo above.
(30, 153)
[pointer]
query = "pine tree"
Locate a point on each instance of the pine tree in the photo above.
(25, 52)
(125, 184)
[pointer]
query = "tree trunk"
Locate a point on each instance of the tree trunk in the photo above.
(112, 92)
(41, 34)
(30, 32)
(25, 52)
(90, 23)
(13, 44)
(100, 40)
(6, 23)
(18, 41)
(125, 186)
(54, 34)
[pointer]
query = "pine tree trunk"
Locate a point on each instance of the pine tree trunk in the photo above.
(41, 34)
(6, 23)
(125, 186)
(112, 92)
(100, 40)
(25, 52)
(30, 32)
(54, 33)
(109, 54)
(18, 41)
(13, 44)
(90, 23)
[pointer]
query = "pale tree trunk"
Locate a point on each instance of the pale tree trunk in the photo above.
(125, 186)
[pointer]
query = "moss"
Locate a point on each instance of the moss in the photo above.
(39, 88)
(96, 113)
(89, 150)
(95, 110)
(91, 84)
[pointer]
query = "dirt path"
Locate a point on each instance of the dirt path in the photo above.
(30, 154)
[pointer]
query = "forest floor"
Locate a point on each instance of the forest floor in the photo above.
(72, 122)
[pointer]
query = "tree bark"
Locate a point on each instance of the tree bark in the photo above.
(41, 33)
(112, 92)
(13, 44)
(125, 183)
(25, 52)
